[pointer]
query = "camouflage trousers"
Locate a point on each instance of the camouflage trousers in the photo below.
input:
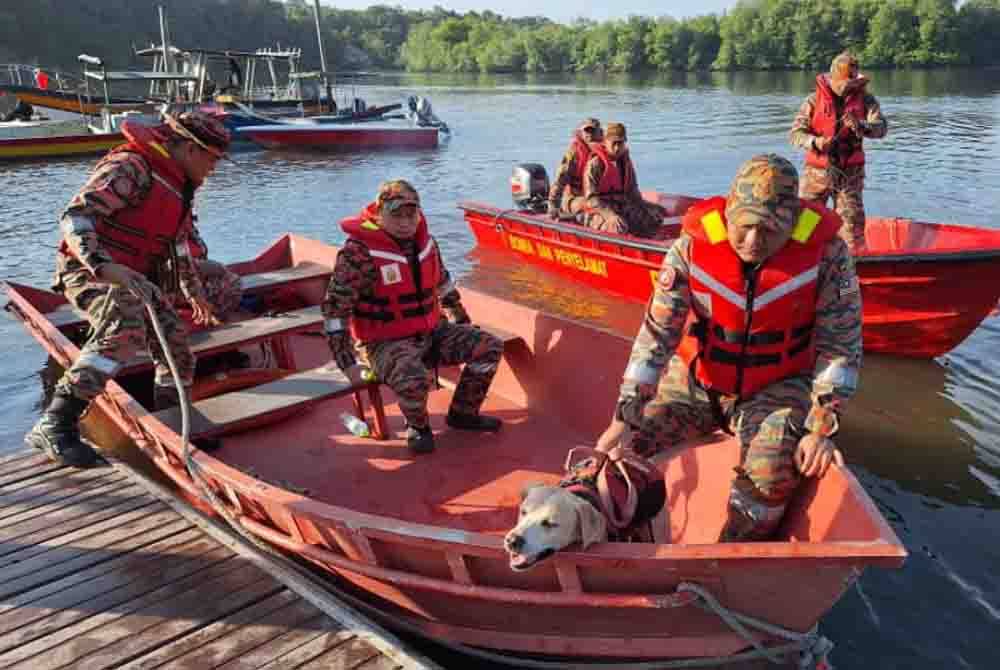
(845, 187)
(405, 365)
(223, 287)
(572, 203)
(120, 329)
(767, 426)
(626, 216)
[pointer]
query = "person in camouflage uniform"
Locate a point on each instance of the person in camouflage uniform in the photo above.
(223, 287)
(679, 381)
(566, 193)
(831, 126)
(614, 203)
(385, 298)
(125, 240)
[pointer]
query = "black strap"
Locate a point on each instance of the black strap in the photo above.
(749, 360)
(363, 313)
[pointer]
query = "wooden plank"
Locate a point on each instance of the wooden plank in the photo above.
(44, 477)
(232, 411)
(310, 650)
(189, 542)
(172, 620)
(279, 646)
(42, 495)
(29, 468)
(218, 642)
(62, 512)
(17, 455)
(380, 663)
(342, 656)
(62, 644)
(65, 315)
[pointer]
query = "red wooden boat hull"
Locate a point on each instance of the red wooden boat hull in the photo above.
(421, 537)
(925, 286)
(337, 136)
(50, 147)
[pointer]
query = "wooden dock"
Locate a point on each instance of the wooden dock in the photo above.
(99, 570)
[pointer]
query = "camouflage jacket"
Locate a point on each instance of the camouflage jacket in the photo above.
(837, 330)
(565, 176)
(120, 180)
(355, 275)
(802, 134)
(592, 180)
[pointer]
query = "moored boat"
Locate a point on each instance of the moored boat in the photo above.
(333, 136)
(925, 286)
(421, 537)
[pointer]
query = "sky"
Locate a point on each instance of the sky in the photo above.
(563, 11)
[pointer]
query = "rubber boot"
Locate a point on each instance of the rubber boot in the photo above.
(165, 397)
(749, 519)
(472, 422)
(420, 440)
(57, 432)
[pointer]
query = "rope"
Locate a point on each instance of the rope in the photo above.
(812, 647)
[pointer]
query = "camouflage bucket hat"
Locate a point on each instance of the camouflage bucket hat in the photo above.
(615, 131)
(395, 193)
(591, 123)
(765, 190)
(208, 132)
(840, 68)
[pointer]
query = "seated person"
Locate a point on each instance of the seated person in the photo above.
(387, 292)
(566, 193)
(614, 203)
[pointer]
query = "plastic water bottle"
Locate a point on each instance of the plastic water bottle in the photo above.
(357, 427)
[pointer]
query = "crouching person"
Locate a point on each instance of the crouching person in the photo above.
(387, 294)
(754, 327)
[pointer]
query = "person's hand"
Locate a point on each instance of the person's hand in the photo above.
(822, 144)
(459, 315)
(814, 455)
(359, 373)
(618, 432)
(553, 210)
(202, 313)
(852, 124)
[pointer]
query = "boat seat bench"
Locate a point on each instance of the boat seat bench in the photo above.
(66, 317)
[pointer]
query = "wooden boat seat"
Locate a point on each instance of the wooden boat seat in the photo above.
(256, 406)
(65, 316)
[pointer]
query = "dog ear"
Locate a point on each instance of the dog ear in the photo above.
(593, 525)
(527, 489)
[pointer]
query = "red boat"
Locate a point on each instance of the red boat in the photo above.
(420, 538)
(925, 286)
(310, 135)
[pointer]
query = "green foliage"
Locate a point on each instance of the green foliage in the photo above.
(754, 34)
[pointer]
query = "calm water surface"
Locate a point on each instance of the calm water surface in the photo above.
(921, 437)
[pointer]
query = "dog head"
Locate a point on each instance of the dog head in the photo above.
(549, 519)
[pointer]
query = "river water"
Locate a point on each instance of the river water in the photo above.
(921, 436)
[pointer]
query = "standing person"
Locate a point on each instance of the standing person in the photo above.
(754, 327)
(831, 126)
(387, 293)
(566, 192)
(614, 203)
(125, 241)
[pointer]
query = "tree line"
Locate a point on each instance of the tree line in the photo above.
(754, 34)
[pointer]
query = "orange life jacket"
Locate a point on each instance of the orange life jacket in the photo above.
(144, 236)
(405, 299)
(745, 333)
(826, 121)
(582, 151)
(617, 178)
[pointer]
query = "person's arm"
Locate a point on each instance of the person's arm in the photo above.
(875, 125)
(354, 275)
(120, 181)
(592, 181)
(802, 134)
(450, 298)
(567, 167)
(633, 179)
(837, 338)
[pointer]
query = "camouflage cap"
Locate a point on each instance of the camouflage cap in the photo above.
(399, 192)
(765, 190)
(615, 131)
(840, 68)
(589, 123)
(205, 130)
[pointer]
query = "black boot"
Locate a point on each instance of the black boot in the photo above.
(420, 440)
(57, 433)
(165, 397)
(472, 422)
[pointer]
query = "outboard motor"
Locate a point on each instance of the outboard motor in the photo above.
(529, 187)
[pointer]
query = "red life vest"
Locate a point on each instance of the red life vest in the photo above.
(582, 151)
(405, 299)
(827, 112)
(617, 177)
(743, 335)
(143, 237)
